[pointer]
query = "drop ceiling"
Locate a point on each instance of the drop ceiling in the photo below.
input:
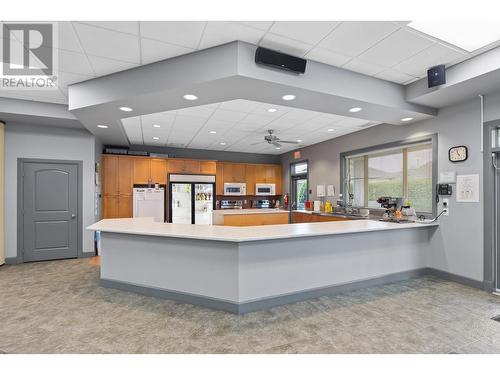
(388, 50)
(238, 125)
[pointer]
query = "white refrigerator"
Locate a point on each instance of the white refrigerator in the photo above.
(149, 202)
(191, 199)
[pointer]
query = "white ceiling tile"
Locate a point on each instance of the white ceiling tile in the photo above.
(106, 43)
(68, 39)
(310, 32)
(181, 33)
(239, 105)
(198, 111)
(325, 56)
(221, 32)
(395, 48)
(190, 120)
(354, 37)
(223, 115)
(394, 76)
(256, 119)
(350, 122)
(261, 25)
(129, 27)
(327, 118)
(103, 66)
(153, 51)
(363, 67)
(285, 45)
(436, 54)
(74, 62)
(217, 124)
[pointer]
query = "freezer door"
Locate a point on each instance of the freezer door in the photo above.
(203, 203)
(181, 203)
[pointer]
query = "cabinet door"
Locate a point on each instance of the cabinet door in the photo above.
(239, 172)
(158, 171)
(208, 167)
(125, 183)
(109, 207)
(260, 173)
(228, 172)
(125, 206)
(141, 172)
(278, 180)
(250, 178)
(110, 175)
(176, 166)
(192, 166)
(219, 179)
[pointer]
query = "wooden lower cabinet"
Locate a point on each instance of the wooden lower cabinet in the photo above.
(117, 206)
(300, 217)
(125, 206)
(255, 219)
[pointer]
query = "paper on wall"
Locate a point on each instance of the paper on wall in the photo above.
(320, 191)
(468, 188)
(330, 191)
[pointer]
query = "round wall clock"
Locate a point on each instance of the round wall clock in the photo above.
(458, 153)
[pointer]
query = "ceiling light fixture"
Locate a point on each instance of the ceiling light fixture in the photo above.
(299, 140)
(468, 35)
(156, 126)
(156, 138)
(331, 130)
(355, 109)
(212, 132)
(126, 109)
(288, 97)
(102, 126)
(272, 110)
(190, 97)
(405, 119)
(278, 148)
(223, 143)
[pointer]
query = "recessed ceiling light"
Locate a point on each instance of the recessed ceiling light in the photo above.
(299, 140)
(212, 132)
(278, 148)
(126, 109)
(102, 126)
(190, 97)
(156, 126)
(468, 35)
(156, 138)
(223, 143)
(331, 130)
(288, 97)
(272, 110)
(405, 119)
(355, 109)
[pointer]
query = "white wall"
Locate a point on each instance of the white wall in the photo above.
(458, 244)
(29, 141)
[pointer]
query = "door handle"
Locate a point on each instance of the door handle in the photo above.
(73, 216)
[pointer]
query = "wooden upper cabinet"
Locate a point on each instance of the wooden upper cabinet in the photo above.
(125, 183)
(158, 169)
(192, 166)
(208, 167)
(110, 174)
(278, 173)
(219, 179)
(184, 166)
(141, 170)
(234, 172)
(250, 172)
(260, 173)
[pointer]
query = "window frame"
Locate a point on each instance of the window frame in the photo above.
(294, 176)
(404, 145)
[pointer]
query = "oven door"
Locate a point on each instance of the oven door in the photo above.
(265, 189)
(232, 190)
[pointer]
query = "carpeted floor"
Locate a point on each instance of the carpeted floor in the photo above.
(58, 307)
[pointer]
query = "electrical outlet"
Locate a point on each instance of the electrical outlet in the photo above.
(446, 207)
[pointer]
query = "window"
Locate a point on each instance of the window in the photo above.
(404, 171)
(299, 185)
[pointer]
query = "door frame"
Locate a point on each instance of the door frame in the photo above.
(20, 201)
(290, 169)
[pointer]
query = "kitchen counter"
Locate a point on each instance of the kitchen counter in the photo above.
(242, 269)
(147, 227)
(251, 217)
(250, 211)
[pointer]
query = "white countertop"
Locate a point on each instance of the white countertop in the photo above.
(251, 211)
(147, 227)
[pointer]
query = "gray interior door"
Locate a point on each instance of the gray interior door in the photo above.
(50, 211)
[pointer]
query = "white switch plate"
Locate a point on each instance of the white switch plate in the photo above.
(446, 206)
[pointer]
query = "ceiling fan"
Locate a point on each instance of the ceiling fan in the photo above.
(274, 140)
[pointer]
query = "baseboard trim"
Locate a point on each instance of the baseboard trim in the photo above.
(13, 260)
(87, 254)
(457, 278)
(264, 303)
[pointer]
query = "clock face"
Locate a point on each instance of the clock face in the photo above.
(458, 153)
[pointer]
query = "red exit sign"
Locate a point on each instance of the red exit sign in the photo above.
(297, 155)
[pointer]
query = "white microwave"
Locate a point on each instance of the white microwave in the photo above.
(235, 188)
(265, 189)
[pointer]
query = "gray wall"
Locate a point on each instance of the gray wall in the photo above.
(458, 244)
(28, 141)
(237, 157)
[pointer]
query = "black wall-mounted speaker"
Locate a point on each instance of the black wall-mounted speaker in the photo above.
(436, 76)
(280, 60)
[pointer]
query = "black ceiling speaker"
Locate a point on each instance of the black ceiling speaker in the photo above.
(280, 60)
(436, 76)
